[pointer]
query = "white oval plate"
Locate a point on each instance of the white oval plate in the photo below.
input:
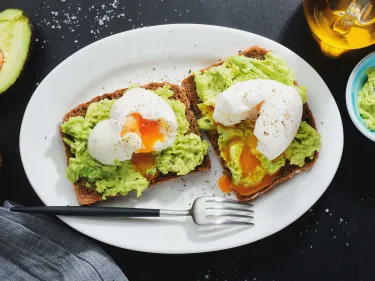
(163, 53)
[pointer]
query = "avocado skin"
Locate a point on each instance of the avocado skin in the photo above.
(29, 50)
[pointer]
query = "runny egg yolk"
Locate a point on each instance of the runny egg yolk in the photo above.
(226, 185)
(148, 130)
(249, 163)
(143, 162)
(1, 60)
(248, 160)
(258, 106)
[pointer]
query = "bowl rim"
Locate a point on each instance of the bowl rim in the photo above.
(356, 119)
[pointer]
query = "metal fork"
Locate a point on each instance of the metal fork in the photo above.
(205, 211)
(215, 211)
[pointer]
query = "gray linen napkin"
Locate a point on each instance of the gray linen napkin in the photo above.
(39, 247)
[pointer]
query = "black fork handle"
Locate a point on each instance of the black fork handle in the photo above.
(88, 211)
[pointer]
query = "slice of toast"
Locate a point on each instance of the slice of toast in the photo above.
(288, 170)
(89, 196)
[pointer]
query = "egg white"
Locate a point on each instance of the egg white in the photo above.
(105, 143)
(150, 106)
(279, 115)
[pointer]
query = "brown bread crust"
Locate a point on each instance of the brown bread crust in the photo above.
(89, 196)
(286, 172)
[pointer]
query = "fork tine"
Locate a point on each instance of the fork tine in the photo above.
(218, 222)
(229, 215)
(231, 201)
(230, 209)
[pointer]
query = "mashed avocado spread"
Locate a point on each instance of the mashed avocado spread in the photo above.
(186, 153)
(366, 100)
(234, 141)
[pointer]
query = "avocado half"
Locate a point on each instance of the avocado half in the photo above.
(15, 38)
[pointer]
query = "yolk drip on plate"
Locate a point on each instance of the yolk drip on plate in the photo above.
(148, 130)
(249, 162)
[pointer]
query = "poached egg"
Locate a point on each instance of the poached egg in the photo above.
(276, 107)
(140, 122)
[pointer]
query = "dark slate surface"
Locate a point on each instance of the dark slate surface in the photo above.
(335, 240)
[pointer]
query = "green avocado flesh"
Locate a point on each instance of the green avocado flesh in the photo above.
(366, 100)
(15, 36)
(234, 140)
(185, 154)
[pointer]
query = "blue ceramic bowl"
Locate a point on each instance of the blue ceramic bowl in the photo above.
(356, 80)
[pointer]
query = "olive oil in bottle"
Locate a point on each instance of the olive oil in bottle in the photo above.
(341, 25)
